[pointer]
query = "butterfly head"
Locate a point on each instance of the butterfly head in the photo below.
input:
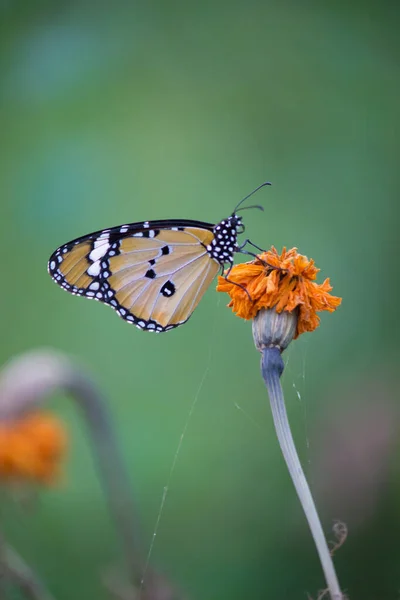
(236, 222)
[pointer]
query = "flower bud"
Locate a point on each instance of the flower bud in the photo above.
(274, 330)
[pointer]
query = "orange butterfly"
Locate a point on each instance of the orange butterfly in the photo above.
(153, 273)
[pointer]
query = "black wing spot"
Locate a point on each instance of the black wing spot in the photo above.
(152, 262)
(165, 250)
(168, 289)
(150, 274)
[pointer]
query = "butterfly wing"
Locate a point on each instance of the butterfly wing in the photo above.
(153, 275)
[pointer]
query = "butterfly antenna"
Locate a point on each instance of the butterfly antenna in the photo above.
(251, 193)
(258, 206)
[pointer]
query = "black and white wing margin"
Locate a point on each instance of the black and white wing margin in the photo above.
(153, 274)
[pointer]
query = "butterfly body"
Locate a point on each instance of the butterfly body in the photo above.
(152, 273)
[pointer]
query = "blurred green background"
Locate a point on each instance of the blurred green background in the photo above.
(126, 111)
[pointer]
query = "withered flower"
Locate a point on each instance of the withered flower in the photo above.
(285, 282)
(280, 294)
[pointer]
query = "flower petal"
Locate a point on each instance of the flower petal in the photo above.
(285, 281)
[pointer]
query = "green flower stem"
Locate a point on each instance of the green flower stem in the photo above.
(271, 369)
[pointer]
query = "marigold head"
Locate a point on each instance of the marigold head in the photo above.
(31, 448)
(285, 282)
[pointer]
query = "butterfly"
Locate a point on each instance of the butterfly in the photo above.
(152, 273)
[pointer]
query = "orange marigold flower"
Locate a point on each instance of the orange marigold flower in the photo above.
(291, 286)
(31, 448)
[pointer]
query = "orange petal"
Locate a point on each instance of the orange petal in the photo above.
(289, 286)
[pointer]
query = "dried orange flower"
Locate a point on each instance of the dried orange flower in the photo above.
(31, 448)
(290, 286)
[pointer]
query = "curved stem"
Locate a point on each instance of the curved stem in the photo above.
(27, 381)
(15, 569)
(272, 368)
(110, 465)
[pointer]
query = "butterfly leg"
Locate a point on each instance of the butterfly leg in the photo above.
(254, 256)
(234, 282)
(228, 271)
(240, 249)
(265, 263)
(251, 244)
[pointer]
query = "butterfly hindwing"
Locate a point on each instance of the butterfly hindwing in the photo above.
(153, 274)
(166, 295)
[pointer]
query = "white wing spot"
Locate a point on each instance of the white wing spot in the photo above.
(99, 250)
(94, 269)
(94, 286)
(52, 265)
(139, 234)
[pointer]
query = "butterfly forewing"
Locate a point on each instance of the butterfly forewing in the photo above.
(181, 292)
(153, 274)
